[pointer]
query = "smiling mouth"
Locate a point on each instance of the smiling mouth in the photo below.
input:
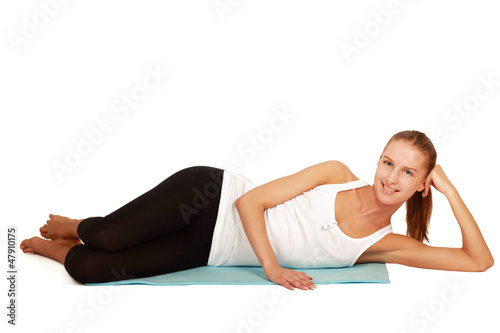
(388, 189)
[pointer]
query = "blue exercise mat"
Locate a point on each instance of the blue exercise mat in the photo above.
(209, 275)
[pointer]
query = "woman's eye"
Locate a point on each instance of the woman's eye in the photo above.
(388, 163)
(408, 172)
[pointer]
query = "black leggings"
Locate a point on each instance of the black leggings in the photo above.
(167, 229)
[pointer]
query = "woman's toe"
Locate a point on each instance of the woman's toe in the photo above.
(25, 245)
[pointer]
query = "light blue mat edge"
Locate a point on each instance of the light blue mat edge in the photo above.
(243, 275)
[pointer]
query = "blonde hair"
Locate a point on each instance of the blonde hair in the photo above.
(418, 208)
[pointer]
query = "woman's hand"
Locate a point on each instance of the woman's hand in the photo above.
(289, 278)
(438, 179)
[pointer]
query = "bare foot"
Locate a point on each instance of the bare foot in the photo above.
(54, 249)
(59, 227)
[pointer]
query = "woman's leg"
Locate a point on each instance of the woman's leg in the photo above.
(166, 229)
(186, 248)
(163, 210)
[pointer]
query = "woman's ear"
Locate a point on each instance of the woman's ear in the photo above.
(424, 184)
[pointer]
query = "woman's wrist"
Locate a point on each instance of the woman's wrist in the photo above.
(268, 266)
(450, 192)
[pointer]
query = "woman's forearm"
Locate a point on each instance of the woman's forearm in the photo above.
(252, 218)
(473, 242)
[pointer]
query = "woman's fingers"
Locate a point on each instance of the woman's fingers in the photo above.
(428, 183)
(427, 186)
(289, 278)
(287, 285)
(300, 280)
(438, 179)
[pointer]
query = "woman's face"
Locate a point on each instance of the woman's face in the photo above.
(401, 171)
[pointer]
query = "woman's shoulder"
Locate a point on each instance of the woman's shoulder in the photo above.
(338, 172)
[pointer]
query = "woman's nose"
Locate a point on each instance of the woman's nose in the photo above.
(392, 177)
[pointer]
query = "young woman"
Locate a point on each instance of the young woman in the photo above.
(322, 216)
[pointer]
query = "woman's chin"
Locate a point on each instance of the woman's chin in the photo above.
(390, 198)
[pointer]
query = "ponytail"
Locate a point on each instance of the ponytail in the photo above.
(418, 216)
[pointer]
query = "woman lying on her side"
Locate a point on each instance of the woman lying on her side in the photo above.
(322, 216)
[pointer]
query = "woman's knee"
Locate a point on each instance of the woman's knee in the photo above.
(75, 265)
(82, 264)
(99, 235)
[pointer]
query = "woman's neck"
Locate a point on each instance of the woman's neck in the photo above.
(373, 210)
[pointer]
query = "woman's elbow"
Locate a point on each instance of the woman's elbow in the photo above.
(483, 265)
(248, 203)
(239, 201)
(486, 265)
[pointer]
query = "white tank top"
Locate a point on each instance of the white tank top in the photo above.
(302, 231)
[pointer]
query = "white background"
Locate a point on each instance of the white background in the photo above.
(230, 69)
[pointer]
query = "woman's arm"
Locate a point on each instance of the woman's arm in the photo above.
(473, 256)
(251, 207)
